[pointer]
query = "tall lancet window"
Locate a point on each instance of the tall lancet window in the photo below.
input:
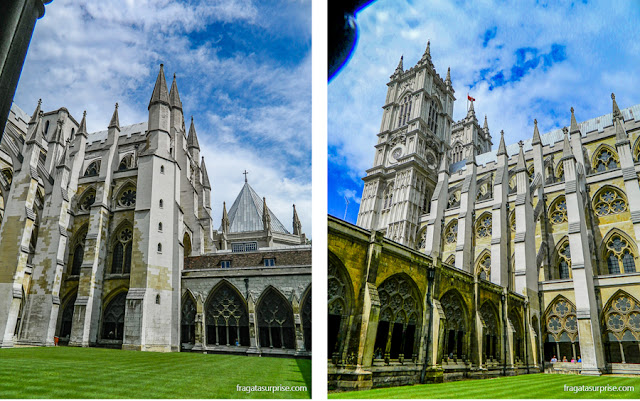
(405, 110)
(433, 117)
(121, 260)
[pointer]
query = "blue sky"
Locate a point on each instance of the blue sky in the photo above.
(243, 71)
(520, 60)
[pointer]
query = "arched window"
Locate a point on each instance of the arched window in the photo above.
(518, 335)
(423, 239)
(483, 226)
(113, 318)
(622, 327)
(88, 199)
(490, 333)
(605, 159)
(399, 315)
(563, 260)
(305, 316)
(67, 319)
(275, 321)
(227, 317)
(157, 299)
(78, 253)
(339, 303)
(455, 326)
(127, 197)
(483, 267)
(188, 321)
(561, 326)
(609, 201)
(46, 128)
(513, 185)
(126, 163)
(560, 172)
(161, 203)
(432, 122)
(405, 110)
(93, 169)
(619, 255)
(161, 169)
(159, 247)
(558, 210)
(451, 233)
(121, 259)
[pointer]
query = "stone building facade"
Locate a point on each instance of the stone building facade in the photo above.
(95, 229)
(554, 219)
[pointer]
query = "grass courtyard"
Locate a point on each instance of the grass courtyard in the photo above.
(525, 386)
(68, 372)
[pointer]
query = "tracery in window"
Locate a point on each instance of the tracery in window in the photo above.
(483, 268)
(619, 254)
(77, 256)
(126, 163)
(560, 172)
(483, 226)
(121, 259)
(275, 321)
(432, 122)
(609, 201)
(227, 319)
(558, 210)
(561, 327)
(451, 234)
(93, 169)
(188, 321)
(113, 318)
(564, 260)
(622, 325)
(405, 110)
(605, 159)
(87, 200)
(127, 197)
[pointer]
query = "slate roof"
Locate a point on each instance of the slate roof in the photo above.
(555, 136)
(246, 213)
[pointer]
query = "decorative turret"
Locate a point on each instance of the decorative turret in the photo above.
(174, 96)
(427, 52)
(177, 119)
(521, 166)
(567, 152)
(471, 112)
(574, 125)
(36, 113)
(297, 226)
(224, 226)
(485, 126)
(536, 134)
(447, 81)
(160, 93)
(159, 141)
(618, 120)
(34, 132)
(205, 176)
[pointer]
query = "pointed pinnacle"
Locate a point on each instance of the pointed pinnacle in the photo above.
(427, 51)
(574, 124)
(36, 112)
(521, 164)
(174, 96)
(448, 78)
(616, 109)
(205, 175)
(160, 93)
(400, 67)
(566, 145)
(444, 164)
(485, 126)
(115, 121)
(192, 138)
(471, 109)
(536, 134)
(502, 148)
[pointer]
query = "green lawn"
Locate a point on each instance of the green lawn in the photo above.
(67, 372)
(524, 386)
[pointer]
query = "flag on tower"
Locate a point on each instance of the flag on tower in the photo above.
(470, 98)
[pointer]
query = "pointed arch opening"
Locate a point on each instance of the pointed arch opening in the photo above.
(275, 320)
(93, 169)
(483, 225)
(451, 232)
(490, 332)
(558, 210)
(518, 335)
(126, 163)
(483, 265)
(113, 318)
(188, 319)
(340, 301)
(87, 199)
(76, 251)
(226, 316)
(561, 338)
(456, 327)
(400, 318)
(562, 260)
(66, 320)
(121, 248)
(621, 326)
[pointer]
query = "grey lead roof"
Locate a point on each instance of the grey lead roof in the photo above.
(246, 213)
(550, 138)
(127, 130)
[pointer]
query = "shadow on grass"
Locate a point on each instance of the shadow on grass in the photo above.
(305, 369)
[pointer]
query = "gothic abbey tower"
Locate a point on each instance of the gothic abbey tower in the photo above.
(417, 129)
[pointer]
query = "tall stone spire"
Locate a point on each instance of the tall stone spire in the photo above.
(536, 134)
(115, 121)
(174, 96)
(205, 175)
(225, 219)
(83, 125)
(400, 67)
(566, 145)
(160, 93)
(192, 138)
(618, 120)
(502, 148)
(574, 125)
(297, 226)
(521, 165)
(36, 113)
